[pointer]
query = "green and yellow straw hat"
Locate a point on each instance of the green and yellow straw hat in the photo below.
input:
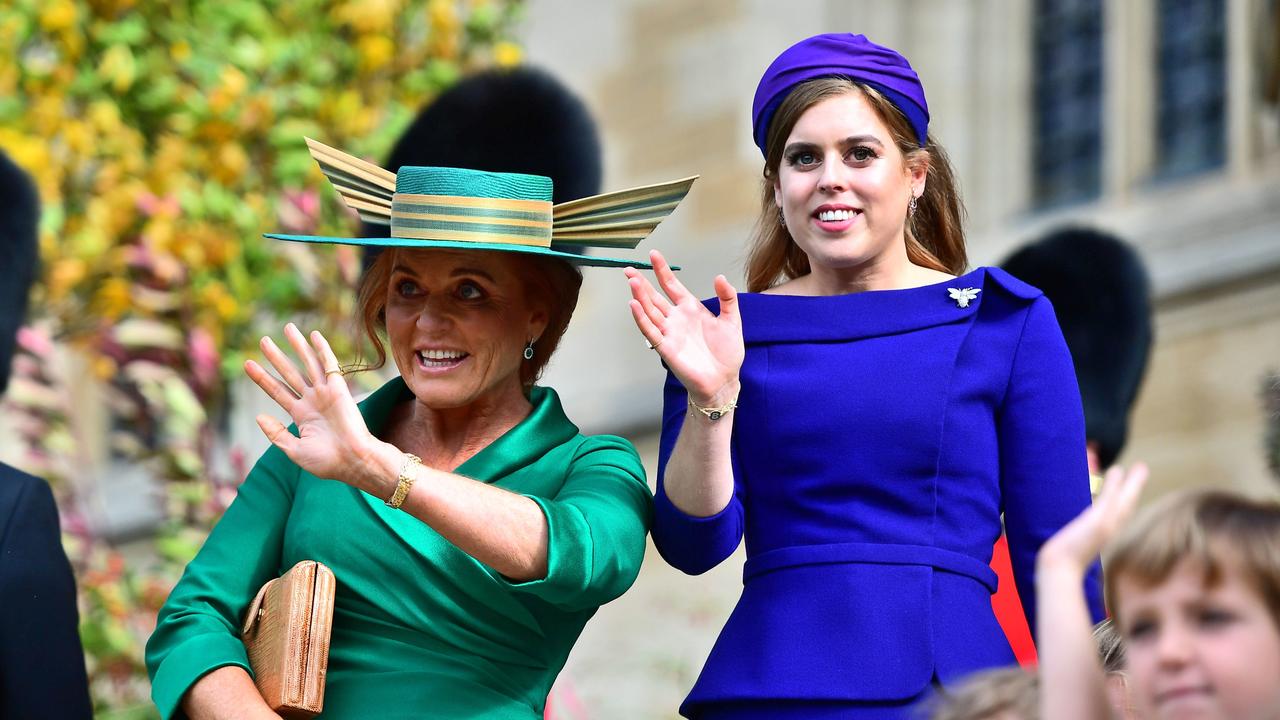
(438, 207)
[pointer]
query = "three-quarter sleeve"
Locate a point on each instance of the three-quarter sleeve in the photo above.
(1044, 472)
(596, 527)
(690, 544)
(198, 629)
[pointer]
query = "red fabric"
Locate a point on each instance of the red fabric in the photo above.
(1008, 607)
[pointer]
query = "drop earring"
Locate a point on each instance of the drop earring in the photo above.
(528, 351)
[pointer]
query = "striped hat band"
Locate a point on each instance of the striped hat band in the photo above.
(471, 219)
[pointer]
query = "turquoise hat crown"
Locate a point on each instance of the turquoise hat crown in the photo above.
(461, 182)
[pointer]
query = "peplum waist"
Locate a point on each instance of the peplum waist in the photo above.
(852, 623)
(870, 554)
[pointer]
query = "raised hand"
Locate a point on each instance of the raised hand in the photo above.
(704, 351)
(1075, 546)
(333, 441)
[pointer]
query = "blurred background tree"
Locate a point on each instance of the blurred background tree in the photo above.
(165, 137)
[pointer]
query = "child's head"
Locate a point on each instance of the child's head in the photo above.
(1194, 588)
(1005, 694)
(1111, 652)
(1110, 646)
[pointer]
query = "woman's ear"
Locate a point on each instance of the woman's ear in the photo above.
(539, 318)
(917, 164)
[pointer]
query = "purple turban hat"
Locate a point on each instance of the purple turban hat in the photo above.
(840, 55)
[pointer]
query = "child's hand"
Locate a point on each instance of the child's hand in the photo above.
(1074, 547)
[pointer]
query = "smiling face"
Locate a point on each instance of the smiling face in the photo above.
(458, 322)
(1200, 651)
(844, 186)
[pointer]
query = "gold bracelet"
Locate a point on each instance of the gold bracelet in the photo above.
(408, 473)
(715, 413)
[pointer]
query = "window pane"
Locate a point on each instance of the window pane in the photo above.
(1067, 141)
(1191, 104)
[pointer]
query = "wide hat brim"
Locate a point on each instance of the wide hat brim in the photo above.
(570, 257)
(461, 209)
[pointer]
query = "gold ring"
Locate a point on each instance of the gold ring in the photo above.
(336, 371)
(653, 346)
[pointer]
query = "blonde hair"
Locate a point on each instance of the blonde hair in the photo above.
(1216, 530)
(934, 234)
(989, 694)
(1110, 646)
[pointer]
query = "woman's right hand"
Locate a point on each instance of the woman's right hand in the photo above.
(704, 351)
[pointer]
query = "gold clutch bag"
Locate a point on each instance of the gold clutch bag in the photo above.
(286, 633)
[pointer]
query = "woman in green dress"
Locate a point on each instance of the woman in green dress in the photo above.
(471, 528)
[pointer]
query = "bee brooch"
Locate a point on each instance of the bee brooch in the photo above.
(962, 296)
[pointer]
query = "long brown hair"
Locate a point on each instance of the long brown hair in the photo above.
(934, 234)
(549, 282)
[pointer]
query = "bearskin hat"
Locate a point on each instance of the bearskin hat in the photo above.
(19, 236)
(1102, 297)
(518, 120)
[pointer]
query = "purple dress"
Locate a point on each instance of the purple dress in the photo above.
(878, 438)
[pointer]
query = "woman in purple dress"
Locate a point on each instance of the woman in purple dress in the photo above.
(863, 416)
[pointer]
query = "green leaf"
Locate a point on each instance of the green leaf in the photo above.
(292, 167)
(158, 93)
(442, 74)
(282, 290)
(129, 30)
(218, 202)
(248, 54)
(483, 21)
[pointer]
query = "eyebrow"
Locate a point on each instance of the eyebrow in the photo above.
(851, 140)
(457, 272)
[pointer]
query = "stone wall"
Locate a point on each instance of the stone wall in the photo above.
(670, 83)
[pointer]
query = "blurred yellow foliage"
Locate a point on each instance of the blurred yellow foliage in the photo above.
(165, 136)
(376, 51)
(368, 16)
(118, 67)
(507, 54)
(113, 298)
(58, 15)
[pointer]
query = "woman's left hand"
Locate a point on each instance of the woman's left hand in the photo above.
(333, 441)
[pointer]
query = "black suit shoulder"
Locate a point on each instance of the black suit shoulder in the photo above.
(42, 671)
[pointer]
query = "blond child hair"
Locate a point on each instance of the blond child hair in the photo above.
(1217, 530)
(1110, 646)
(1009, 693)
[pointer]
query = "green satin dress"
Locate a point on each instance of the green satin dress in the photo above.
(420, 628)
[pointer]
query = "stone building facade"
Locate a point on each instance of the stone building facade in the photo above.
(1154, 119)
